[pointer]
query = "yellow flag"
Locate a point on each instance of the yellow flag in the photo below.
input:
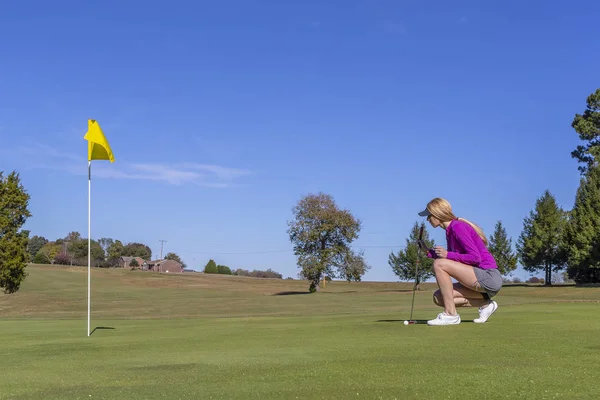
(98, 147)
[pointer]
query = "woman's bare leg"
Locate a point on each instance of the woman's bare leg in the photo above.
(445, 270)
(463, 297)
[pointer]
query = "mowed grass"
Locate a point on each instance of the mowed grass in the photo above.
(191, 336)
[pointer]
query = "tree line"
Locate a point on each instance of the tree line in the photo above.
(73, 250)
(554, 239)
(212, 267)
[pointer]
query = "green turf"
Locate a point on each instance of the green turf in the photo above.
(201, 337)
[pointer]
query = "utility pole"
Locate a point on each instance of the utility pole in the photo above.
(161, 248)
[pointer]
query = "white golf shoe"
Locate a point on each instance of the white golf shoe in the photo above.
(444, 319)
(486, 313)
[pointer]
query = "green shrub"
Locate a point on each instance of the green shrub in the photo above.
(41, 258)
(223, 269)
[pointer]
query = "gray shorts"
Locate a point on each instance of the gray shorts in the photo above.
(489, 279)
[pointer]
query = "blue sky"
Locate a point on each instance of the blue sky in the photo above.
(222, 115)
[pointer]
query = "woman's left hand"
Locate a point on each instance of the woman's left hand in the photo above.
(440, 252)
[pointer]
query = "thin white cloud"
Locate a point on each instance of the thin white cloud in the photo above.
(219, 171)
(162, 172)
(463, 20)
(46, 157)
(39, 149)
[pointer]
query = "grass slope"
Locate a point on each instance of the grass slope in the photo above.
(193, 336)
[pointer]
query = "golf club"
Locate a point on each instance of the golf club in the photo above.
(410, 321)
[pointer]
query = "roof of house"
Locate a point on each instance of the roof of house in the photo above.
(159, 262)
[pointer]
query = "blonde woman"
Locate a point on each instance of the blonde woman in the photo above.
(467, 260)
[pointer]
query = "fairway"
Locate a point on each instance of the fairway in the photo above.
(193, 336)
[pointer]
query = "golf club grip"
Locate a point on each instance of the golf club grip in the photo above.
(421, 232)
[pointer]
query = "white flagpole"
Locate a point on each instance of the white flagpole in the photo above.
(89, 238)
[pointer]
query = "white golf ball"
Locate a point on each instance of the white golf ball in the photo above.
(405, 322)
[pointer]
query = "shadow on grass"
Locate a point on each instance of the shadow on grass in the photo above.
(342, 292)
(400, 290)
(322, 292)
(289, 293)
(416, 321)
(101, 328)
(537, 285)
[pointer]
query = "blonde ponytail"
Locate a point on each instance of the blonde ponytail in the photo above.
(477, 229)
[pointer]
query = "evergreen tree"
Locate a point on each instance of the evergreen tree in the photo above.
(404, 264)
(211, 267)
(14, 256)
(582, 234)
(587, 125)
(501, 248)
(540, 244)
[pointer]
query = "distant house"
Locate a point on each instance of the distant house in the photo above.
(124, 262)
(169, 266)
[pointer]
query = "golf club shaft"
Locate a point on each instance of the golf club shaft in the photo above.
(415, 285)
(412, 306)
